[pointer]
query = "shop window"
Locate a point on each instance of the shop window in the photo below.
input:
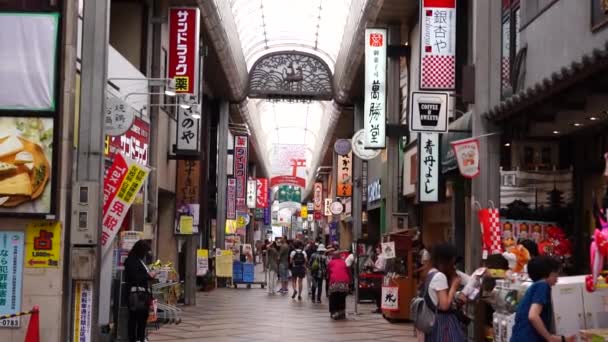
(511, 23)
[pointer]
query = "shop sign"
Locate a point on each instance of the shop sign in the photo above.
(188, 173)
(223, 264)
(318, 197)
(186, 224)
(202, 262)
(187, 218)
(428, 167)
(318, 215)
(258, 213)
(134, 143)
(310, 206)
(184, 26)
(334, 234)
(267, 216)
(262, 193)
(345, 174)
(242, 219)
(388, 249)
(342, 147)
(336, 208)
(119, 116)
(390, 298)
(240, 170)
(42, 245)
(252, 186)
(429, 112)
(375, 88)
(374, 191)
(231, 199)
(121, 183)
(288, 180)
(327, 207)
(188, 130)
(11, 276)
(304, 212)
(83, 309)
(358, 143)
(438, 44)
(289, 193)
(467, 155)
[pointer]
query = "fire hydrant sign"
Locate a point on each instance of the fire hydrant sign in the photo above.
(390, 298)
(11, 276)
(43, 244)
(429, 112)
(122, 182)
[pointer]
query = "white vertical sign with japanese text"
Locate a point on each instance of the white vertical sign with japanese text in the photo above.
(438, 44)
(375, 88)
(252, 185)
(428, 171)
(188, 129)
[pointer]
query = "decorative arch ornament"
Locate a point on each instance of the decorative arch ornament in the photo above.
(290, 75)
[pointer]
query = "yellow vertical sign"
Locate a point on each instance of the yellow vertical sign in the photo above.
(42, 244)
(185, 224)
(304, 212)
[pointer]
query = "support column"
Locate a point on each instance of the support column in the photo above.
(357, 174)
(393, 117)
(486, 57)
(222, 160)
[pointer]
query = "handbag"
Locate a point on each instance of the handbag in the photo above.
(422, 311)
(139, 300)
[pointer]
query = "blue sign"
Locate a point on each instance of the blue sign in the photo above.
(267, 209)
(11, 271)
(334, 235)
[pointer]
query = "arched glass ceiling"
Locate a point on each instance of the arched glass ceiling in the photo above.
(313, 26)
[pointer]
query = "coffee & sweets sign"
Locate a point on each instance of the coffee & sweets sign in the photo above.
(429, 112)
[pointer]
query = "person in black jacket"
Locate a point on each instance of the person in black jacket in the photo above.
(137, 277)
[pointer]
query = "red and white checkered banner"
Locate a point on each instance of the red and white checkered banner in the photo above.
(438, 44)
(489, 219)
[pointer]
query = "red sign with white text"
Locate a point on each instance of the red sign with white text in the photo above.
(288, 180)
(184, 26)
(318, 197)
(134, 143)
(114, 176)
(262, 193)
(240, 170)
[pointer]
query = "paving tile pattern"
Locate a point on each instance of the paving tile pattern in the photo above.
(246, 315)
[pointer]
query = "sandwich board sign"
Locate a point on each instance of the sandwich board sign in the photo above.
(429, 112)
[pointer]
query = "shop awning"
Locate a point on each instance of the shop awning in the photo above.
(459, 129)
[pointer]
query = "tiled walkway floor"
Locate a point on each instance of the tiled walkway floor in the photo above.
(227, 315)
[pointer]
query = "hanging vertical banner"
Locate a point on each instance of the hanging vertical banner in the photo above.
(467, 155)
(240, 170)
(11, 276)
(304, 212)
(428, 169)
(438, 44)
(83, 309)
(121, 183)
(184, 27)
(262, 193)
(267, 209)
(231, 199)
(188, 173)
(252, 186)
(318, 197)
(327, 209)
(345, 174)
(188, 129)
(375, 88)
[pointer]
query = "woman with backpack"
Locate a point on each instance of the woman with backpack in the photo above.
(339, 281)
(318, 272)
(298, 269)
(439, 292)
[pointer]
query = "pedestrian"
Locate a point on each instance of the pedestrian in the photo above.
(284, 266)
(272, 266)
(318, 272)
(534, 317)
(441, 284)
(264, 249)
(137, 277)
(339, 279)
(310, 249)
(297, 260)
(379, 268)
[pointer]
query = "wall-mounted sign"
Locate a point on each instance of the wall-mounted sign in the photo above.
(188, 172)
(288, 180)
(184, 36)
(375, 88)
(358, 144)
(42, 246)
(252, 186)
(262, 193)
(11, 276)
(388, 249)
(327, 207)
(438, 44)
(133, 144)
(288, 193)
(429, 112)
(119, 116)
(310, 206)
(188, 130)
(467, 155)
(83, 309)
(336, 208)
(318, 197)
(304, 212)
(344, 185)
(374, 191)
(428, 169)
(231, 199)
(342, 147)
(241, 143)
(202, 262)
